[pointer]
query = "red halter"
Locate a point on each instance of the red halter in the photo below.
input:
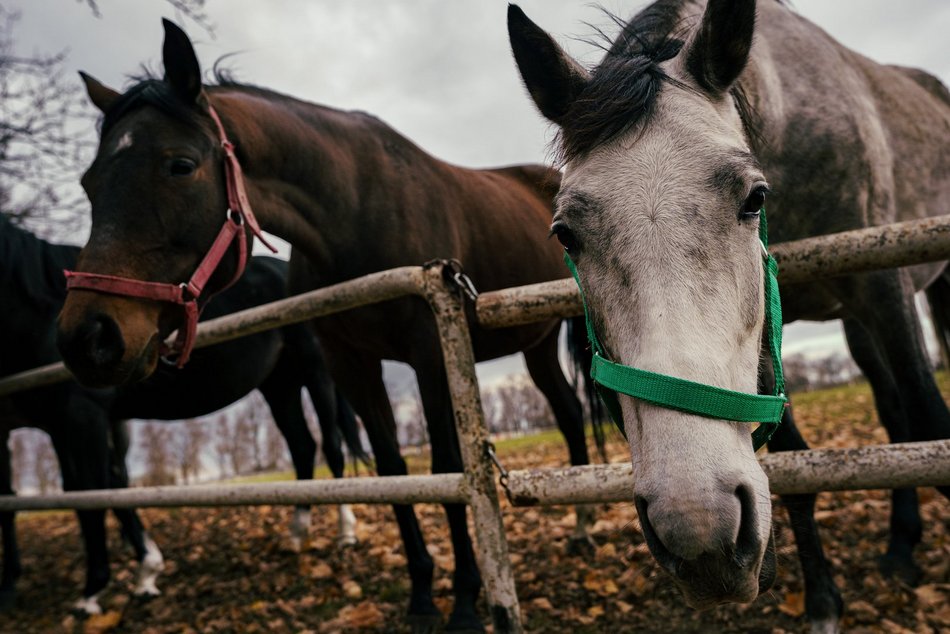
(188, 293)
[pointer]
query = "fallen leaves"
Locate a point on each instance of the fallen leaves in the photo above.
(226, 570)
(102, 623)
(793, 605)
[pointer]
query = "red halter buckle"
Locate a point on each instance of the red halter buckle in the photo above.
(188, 294)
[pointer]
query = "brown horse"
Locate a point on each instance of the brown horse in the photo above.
(670, 147)
(353, 197)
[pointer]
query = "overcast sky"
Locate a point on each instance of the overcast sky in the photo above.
(439, 71)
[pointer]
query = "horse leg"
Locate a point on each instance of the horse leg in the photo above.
(906, 525)
(83, 455)
(147, 554)
(345, 417)
(447, 458)
(281, 390)
(883, 303)
(545, 371)
(333, 412)
(11, 552)
(360, 378)
(823, 604)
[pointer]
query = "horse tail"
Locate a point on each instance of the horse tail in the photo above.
(347, 425)
(938, 296)
(582, 356)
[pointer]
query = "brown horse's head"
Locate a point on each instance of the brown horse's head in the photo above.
(158, 199)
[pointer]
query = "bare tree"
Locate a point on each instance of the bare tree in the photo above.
(157, 443)
(45, 465)
(20, 452)
(260, 423)
(516, 406)
(45, 135)
(233, 440)
(47, 129)
(190, 440)
(244, 450)
(410, 420)
(193, 10)
(275, 448)
(797, 372)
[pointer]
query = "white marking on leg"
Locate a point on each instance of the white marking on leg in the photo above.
(149, 568)
(825, 626)
(88, 605)
(299, 529)
(347, 526)
(585, 518)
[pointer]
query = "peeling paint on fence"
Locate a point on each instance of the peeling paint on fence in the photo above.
(833, 255)
(870, 467)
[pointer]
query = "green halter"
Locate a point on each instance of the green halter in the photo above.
(689, 396)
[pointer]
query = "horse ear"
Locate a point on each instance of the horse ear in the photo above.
(719, 50)
(101, 96)
(553, 77)
(182, 71)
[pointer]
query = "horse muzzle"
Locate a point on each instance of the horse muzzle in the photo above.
(717, 545)
(100, 348)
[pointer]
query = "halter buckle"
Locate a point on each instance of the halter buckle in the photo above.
(186, 293)
(765, 251)
(235, 216)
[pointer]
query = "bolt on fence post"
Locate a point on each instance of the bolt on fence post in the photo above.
(491, 543)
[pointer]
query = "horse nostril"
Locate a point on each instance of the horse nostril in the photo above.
(100, 342)
(748, 541)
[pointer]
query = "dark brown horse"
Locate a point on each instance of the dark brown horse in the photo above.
(353, 197)
(670, 147)
(87, 427)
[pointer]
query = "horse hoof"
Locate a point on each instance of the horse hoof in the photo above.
(826, 626)
(147, 592)
(424, 623)
(581, 545)
(901, 568)
(87, 606)
(466, 624)
(347, 542)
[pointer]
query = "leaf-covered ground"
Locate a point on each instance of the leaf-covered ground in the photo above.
(227, 570)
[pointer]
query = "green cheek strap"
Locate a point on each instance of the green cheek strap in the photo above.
(688, 396)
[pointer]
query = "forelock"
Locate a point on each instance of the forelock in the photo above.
(622, 90)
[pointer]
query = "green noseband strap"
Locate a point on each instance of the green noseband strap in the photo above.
(688, 396)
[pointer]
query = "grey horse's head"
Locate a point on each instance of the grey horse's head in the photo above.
(659, 210)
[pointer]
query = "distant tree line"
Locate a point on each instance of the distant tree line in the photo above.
(803, 373)
(235, 442)
(244, 439)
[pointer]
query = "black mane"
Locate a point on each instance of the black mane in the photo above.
(623, 88)
(33, 266)
(150, 90)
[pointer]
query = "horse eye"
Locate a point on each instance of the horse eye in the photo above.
(566, 237)
(754, 203)
(182, 167)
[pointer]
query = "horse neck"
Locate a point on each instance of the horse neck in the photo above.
(825, 109)
(321, 178)
(31, 269)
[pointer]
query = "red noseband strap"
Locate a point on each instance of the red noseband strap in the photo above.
(188, 294)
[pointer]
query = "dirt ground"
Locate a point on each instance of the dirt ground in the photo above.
(227, 570)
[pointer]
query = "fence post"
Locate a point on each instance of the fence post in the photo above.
(491, 545)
